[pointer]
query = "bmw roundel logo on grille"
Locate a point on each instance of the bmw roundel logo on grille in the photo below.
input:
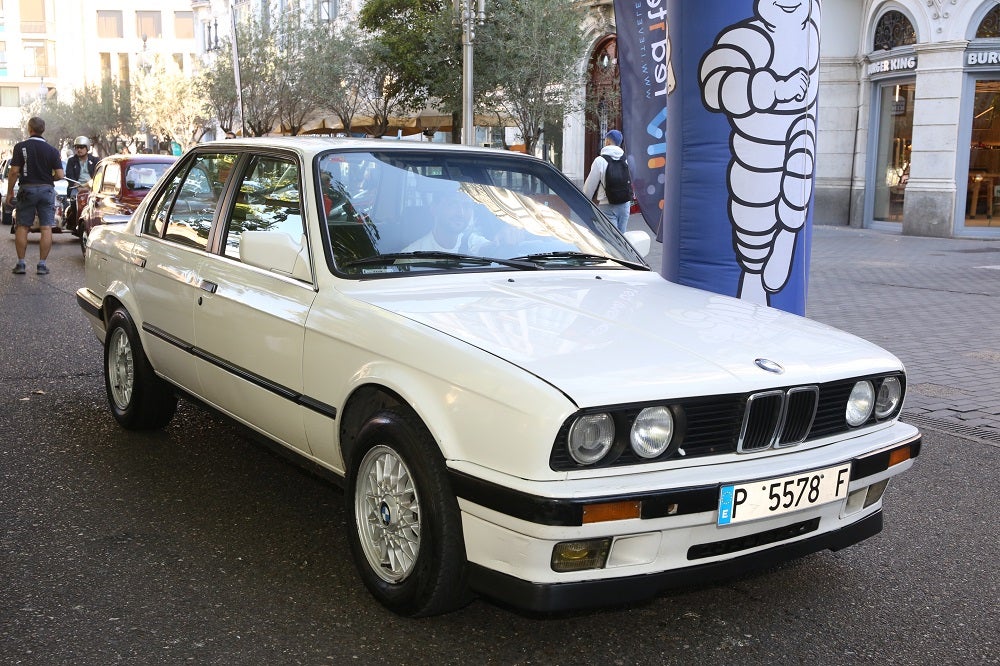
(769, 365)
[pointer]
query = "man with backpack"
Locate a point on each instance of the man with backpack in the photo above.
(611, 181)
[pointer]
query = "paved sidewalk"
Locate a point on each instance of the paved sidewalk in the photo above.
(935, 303)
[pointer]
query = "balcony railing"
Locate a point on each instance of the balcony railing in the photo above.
(37, 27)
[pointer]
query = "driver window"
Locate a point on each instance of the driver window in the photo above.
(267, 200)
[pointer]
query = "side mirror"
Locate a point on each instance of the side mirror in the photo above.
(640, 240)
(276, 251)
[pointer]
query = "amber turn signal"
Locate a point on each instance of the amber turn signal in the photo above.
(901, 454)
(599, 513)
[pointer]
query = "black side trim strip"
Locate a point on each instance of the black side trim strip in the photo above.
(879, 462)
(568, 513)
(555, 597)
(166, 337)
(88, 307)
(283, 391)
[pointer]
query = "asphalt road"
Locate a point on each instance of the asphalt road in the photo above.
(198, 545)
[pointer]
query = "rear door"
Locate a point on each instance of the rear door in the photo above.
(166, 262)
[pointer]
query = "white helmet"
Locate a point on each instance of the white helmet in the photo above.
(81, 141)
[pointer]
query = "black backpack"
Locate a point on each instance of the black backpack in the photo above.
(617, 180)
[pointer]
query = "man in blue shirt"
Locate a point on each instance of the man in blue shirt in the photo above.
(38, 165)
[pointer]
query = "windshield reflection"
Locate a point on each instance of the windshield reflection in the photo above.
(470, 204)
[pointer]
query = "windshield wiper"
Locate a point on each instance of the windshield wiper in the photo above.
(580, 257)
(445, 257)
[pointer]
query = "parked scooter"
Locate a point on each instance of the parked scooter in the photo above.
(74, 201)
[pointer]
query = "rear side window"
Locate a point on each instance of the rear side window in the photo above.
(112, 177)
(184, 210)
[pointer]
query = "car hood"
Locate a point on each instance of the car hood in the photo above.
(622, 336)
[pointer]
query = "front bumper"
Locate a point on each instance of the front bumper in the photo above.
(510, 532)
(554, 597)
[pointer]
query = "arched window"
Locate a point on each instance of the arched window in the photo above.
(893, 30)
(990, 25)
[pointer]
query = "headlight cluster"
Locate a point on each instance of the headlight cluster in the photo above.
(603, 437)
(880, 397)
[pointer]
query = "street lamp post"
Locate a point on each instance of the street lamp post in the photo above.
(468, 18)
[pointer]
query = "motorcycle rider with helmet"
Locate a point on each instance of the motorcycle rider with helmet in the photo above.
(79, 171)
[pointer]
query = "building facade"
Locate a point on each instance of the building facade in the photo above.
(50, 48)
(909, 128)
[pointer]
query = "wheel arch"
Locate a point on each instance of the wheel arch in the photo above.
(364, 402)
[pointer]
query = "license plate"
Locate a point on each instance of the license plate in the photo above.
(772, 497)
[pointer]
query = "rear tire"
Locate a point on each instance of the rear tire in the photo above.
(139, 399)
(404, 525)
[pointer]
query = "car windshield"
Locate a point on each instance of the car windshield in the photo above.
(403, 211)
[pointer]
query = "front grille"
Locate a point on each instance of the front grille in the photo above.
(761, 421)
(777, 418)
(739, 422)
(802, 404)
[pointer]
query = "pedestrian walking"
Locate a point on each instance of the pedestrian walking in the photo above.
(37, 165)
(611, 181)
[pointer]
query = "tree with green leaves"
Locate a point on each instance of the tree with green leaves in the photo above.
(538, 45)
(170, 104)
(96, 112)
(261, 67)
(293, 85)
(526, 56)
(336, 72)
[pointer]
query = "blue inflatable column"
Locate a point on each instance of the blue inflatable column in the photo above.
(741, 148)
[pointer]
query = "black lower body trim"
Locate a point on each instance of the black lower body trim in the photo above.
(88, 307)
(550, 597)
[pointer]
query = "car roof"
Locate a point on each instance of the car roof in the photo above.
(310, 145)
(140, 158)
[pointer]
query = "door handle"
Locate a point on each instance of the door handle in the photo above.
(208, 286)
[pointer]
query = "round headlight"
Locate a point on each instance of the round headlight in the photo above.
(859, 405)
(652, 431)
(591, 437)
(890, 393)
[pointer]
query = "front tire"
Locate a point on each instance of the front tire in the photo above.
(139, 399)
(404, 523)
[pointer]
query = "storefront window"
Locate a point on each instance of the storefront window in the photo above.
(983, 194)
(895, 134)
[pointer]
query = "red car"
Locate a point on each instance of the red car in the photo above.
(120, 183)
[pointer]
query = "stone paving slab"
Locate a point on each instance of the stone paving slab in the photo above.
(935, 303)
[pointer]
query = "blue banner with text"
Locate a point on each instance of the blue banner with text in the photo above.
(646, 79)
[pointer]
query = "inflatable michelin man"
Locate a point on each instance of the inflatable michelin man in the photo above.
(763, 74)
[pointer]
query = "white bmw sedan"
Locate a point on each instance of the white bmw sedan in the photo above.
(514, 403)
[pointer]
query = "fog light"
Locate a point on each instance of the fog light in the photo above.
(875, 492)
(856, 501)
(580, 555)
